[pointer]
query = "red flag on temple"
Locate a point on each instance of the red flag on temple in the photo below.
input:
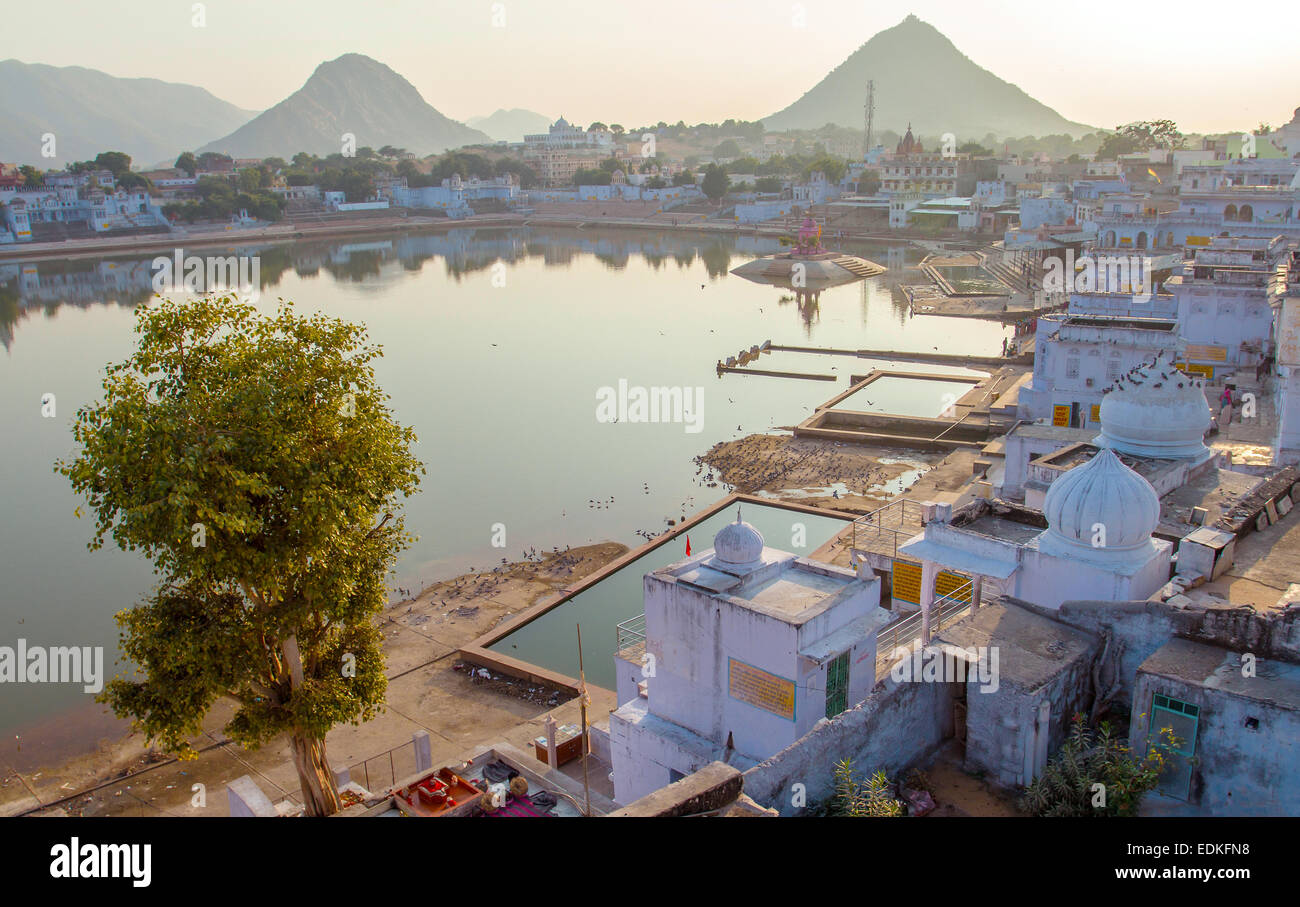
(688, 546)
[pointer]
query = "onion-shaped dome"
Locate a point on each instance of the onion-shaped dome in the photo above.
(1100, 510)
(738, 543)
(1156, 411)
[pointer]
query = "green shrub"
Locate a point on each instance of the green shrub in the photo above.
(1090, 757)
(853, 797)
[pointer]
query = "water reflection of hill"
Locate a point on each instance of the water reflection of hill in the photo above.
(128, 281)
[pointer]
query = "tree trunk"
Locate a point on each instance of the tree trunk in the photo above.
(320, 795)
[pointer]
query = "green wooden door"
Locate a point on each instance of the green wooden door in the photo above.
(837, 685)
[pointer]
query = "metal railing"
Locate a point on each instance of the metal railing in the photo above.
(629, 634)
(898, 634)
(389, 760)
(878, 522)
(944, 612)
(947, 609)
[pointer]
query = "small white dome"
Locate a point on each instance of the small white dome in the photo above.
(1101, 506)
(1156, 411)
(738, 543)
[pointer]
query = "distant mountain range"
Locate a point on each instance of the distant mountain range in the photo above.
(353, 94)
(511, 125)
(89, 111)
(921, 79)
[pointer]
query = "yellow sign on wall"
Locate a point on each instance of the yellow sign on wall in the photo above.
(1197, 241)
(1061, 415)
(759, 688)
(1095, 413)
(1207, 353)
(907, 582)
(1206, 370)
(947, 583)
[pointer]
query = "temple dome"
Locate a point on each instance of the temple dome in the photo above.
(1156, 411)
(738, 543)
(1100, 510)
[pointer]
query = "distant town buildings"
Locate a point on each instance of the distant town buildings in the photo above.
(564, 149)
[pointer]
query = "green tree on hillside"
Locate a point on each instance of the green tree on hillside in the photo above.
(255, 461)
(833, 168)
(115, 162)
(1143, 135)
(592, 177)
(715, 182)
(728, 148)
(132, 180)
(212, 160)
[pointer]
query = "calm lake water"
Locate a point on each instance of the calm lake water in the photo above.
(497, 343)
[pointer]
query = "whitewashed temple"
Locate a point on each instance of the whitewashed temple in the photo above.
(746, 649)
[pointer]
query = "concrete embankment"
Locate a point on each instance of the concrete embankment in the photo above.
(98, 247)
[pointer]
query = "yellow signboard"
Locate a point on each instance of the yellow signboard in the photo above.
(1094, 414)
(1207, 353)
(1206, 370)
(947, 583)
(1061, 415)
(1197, 241)
(907, 582)
(759, 688)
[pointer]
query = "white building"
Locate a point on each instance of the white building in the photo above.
(746, 649)
(930, 174)
(1157, 411)
(1098, 544)
(456, 195)
(817, 190)
(1047, 210)
(1224, 316)
(1077, 356)
(1155, 417)
(1286, 306)
(901, 205)
(564, 149)
(91, 209)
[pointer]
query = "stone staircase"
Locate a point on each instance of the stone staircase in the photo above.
(859, 267)
(1003, 273)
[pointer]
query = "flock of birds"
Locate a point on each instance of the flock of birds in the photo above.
(814, 467)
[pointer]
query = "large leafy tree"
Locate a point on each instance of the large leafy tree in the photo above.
(116, 162)
(1141, 136)
(254, 459)
(715, 182)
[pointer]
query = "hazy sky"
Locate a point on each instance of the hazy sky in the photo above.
(1102, 63)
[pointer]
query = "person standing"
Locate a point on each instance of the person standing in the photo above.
(1225, 408)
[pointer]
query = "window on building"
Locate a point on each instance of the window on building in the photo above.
(1072, 367)
(837, 685)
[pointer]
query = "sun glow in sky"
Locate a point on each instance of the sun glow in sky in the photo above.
(1101, 63)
